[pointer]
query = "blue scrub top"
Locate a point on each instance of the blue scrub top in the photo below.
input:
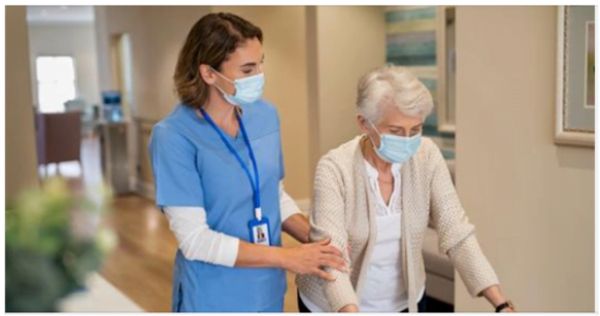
(193, 167)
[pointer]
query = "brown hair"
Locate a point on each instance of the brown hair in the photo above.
(210, 41)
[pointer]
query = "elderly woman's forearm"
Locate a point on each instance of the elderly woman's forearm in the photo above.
(494, 295)
(298, 227)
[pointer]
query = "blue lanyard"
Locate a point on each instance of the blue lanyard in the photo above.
(256, 184)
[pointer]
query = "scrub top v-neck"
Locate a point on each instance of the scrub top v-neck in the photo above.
(193, 167)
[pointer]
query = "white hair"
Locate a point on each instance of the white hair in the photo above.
(395, 86)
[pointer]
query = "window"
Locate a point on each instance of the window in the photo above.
(55, 82)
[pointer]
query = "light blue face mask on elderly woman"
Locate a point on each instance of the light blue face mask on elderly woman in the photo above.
(247, 90)
(396, 149)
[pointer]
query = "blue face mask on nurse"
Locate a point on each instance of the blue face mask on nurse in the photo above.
(247, 90)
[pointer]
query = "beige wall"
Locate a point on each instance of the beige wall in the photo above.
(340, 52)
(350, 41)
(76, 40)
(532, 201)
(169, 26)
(110, 21)
(314, 57)
(156, 34)
(21, 159)
(284, 30)
(347, 41)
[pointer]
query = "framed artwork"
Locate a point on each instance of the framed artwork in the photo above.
(575, 94)
(446, 67)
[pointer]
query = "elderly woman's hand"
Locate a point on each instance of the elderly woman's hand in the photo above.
(310, 258)
(495, 296)
(350, 308)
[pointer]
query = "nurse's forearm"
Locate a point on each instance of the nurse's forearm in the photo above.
(258, 256)
(297, 226)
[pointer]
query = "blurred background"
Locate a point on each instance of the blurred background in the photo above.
(85, 85)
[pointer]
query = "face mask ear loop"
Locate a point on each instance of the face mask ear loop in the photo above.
(222, 76)
(378, 134)
(374, 127)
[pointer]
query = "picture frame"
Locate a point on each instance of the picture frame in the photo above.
(575, 83)
(446, 69)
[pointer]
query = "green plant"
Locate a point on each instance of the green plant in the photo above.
(53, 241)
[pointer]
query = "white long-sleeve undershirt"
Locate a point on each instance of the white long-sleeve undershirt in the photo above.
(197, 241)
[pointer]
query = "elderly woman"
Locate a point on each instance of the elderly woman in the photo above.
(376, 194)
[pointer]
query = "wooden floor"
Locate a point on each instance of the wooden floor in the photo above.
(141, 266)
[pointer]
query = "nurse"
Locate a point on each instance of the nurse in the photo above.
(218, 166)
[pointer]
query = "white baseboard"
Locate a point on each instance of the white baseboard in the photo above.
(145, 189)
(133, 183)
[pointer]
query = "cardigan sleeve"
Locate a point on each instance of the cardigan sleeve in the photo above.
(327, 220)
(456, 233)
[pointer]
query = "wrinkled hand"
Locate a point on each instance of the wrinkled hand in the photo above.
(350, 308)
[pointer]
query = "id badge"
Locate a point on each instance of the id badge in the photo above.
(259, 231)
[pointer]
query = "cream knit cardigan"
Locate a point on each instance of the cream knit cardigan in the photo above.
(344, 210)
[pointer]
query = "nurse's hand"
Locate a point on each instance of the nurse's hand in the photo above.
(309, 258)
